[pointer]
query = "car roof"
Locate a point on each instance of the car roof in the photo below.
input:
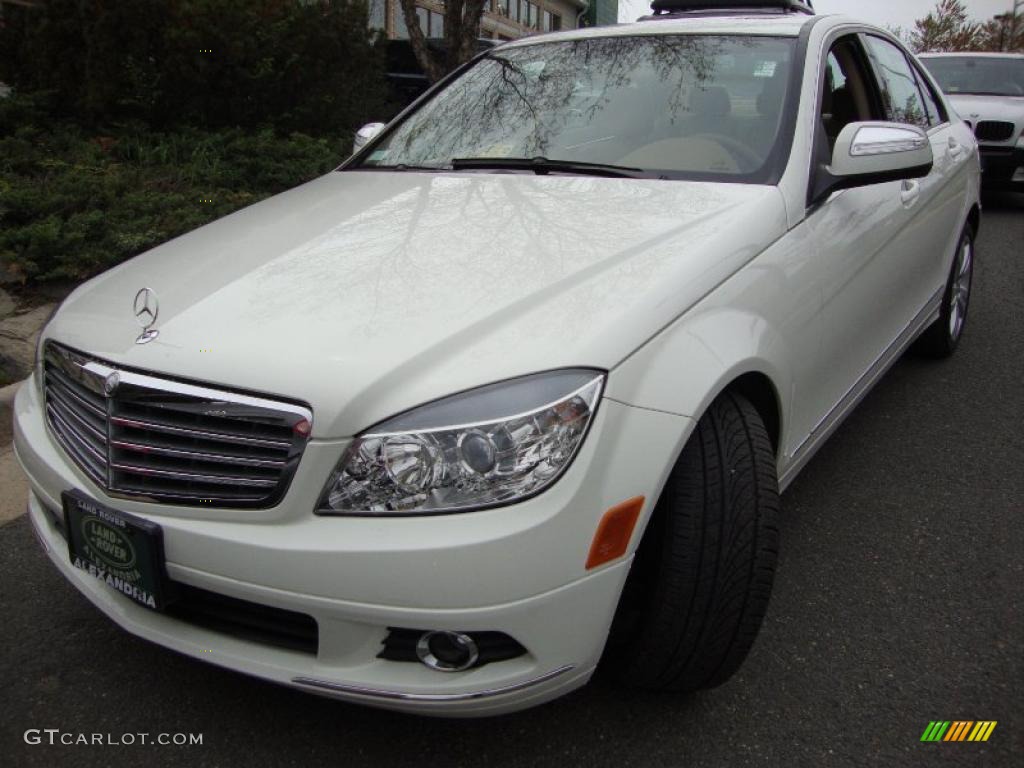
(971, 54)
(762, 24)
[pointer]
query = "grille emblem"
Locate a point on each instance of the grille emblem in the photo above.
(111, 383)
(146, 308)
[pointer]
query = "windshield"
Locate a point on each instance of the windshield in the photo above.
(677, 106)
(978, 75)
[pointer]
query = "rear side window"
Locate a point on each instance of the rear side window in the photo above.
(936, 115)
(898, 83)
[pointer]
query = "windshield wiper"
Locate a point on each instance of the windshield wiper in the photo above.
(401, 167)
(544, 165)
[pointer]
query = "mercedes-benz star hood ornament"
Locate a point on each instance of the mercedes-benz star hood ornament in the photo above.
(146, 308)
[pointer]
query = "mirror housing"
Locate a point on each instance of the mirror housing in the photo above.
(365, 134)
(874, 153)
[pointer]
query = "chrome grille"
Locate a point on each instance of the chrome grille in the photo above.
(993, 130)
(157, 439)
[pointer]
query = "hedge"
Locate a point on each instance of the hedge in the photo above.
(133, 122)
(307, 66)
(73, 202)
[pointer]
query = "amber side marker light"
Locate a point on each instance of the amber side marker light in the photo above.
(614, 532)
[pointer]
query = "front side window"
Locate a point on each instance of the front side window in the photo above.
(680, 106)
(846, 95)
(978, 75)
(903, 102)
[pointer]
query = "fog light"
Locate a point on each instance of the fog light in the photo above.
(447, 651)
(400, 644)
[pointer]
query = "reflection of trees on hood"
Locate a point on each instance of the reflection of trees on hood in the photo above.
(530, 94)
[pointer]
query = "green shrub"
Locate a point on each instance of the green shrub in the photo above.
(73, 204)
(308, 66)
(127, 116)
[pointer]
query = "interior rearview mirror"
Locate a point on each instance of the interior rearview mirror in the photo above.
(365, 134)
(874, 153)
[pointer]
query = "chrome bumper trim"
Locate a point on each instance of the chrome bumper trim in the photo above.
(428, 697)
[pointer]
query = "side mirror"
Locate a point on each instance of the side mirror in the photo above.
(874, 153)
(365, 134)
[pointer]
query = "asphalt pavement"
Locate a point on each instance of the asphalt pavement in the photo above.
(898, 602)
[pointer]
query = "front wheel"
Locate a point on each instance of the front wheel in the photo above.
(699, 585)
(943, 336)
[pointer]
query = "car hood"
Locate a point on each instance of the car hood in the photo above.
(366, 293)
(1009, 109)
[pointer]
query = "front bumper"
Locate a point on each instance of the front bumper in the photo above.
(1002, 167)
(517, 570)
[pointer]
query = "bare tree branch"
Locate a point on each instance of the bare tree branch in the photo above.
(424, 56)
(461, 29)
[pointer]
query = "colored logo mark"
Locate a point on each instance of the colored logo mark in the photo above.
(958, 730)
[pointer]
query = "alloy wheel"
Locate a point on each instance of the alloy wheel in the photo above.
(961, 293)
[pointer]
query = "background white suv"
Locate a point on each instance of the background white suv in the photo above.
(518, 386)
(987, 89)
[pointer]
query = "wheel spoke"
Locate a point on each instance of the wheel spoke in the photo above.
(965, 262)
(959, 288)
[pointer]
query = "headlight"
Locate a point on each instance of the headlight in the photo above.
(490, 446)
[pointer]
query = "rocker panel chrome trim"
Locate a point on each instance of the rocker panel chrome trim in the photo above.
(838, 413)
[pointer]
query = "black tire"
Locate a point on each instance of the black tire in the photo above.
(701, 580)
(943, 336)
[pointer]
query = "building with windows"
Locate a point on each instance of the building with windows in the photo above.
(502, 19)
(601, 13)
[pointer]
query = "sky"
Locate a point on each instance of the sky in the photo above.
(901, 13)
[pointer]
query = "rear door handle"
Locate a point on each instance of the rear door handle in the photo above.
(910, 191)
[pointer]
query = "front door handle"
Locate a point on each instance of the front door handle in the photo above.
(955, 148)
(910, 191)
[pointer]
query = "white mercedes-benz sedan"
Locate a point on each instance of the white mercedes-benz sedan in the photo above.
(516, 388)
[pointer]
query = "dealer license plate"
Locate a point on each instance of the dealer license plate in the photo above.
(121, 550)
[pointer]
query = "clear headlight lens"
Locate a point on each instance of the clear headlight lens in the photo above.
(487, 447)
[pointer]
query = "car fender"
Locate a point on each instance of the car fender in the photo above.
(689, 364)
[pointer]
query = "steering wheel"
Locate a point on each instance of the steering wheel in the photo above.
(737, 149)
